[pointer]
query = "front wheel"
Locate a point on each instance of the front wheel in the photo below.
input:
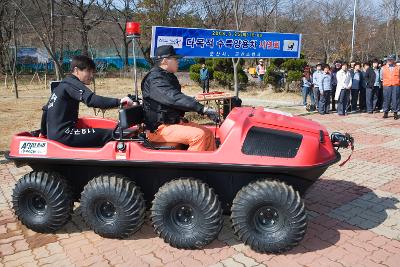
(42, 201)
(269, 216)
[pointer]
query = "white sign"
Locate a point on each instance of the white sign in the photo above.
(290, 45)
(33, 148)
(175, 41)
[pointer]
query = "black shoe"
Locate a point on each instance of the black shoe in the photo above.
(396, 116)
(385, 115)
(370, 112)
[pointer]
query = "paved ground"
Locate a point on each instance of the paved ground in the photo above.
(354, 218)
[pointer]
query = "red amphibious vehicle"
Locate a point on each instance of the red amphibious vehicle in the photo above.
(265, 161)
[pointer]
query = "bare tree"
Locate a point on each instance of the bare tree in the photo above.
(89, 14)
(42, 23)
(121, 13)
(163, 13)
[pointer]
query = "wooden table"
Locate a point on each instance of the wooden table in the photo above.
(221, 99)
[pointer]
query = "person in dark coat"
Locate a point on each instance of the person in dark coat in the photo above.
(165, 105)
(370, 92)
(62, 109)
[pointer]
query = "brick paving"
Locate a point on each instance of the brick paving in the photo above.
(354, 218)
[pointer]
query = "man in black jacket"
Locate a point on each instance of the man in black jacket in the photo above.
(165, 105)
(63, 107)
(370, 97)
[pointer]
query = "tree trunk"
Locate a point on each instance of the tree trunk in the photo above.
(126, 56)
(84, 39)
(14, 66)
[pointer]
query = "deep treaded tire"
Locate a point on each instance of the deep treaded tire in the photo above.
(269, 216)
(113, 206)
(186, 213)
(42, 201)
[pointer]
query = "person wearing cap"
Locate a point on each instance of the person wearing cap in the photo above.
(343, 87)
(391, 88)
(316, 78)
(60, 114)
(260, 69)
(165, 105)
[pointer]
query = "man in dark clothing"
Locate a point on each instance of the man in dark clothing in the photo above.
(63, 107)
(165, 105)
(356, 84)
(204, 78)
(371, 97)
(337, 66)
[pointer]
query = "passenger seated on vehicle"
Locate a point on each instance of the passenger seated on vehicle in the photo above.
(165, 105)
(63, 107)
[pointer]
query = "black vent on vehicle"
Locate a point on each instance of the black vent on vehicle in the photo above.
(272, 143)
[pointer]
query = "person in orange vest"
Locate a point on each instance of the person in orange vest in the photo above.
(260, 69)
(391, 88)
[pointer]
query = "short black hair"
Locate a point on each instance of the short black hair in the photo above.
(83, 63)
(375, 60)
(367, 63)
(326, 66)
(357, 64)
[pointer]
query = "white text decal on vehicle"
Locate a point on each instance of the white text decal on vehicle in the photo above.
(33, 148)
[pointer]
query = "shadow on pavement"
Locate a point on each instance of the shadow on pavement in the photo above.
(336, 206)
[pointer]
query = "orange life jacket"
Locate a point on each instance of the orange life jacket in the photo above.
(391, 78)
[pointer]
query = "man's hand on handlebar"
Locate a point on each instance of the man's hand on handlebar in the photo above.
(126, 101)
(212, 114)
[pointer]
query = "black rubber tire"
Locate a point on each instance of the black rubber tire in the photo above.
(113, 206)
(42, 201)
(201, 202)
(269, 216)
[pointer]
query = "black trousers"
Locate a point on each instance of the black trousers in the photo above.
(86, 137)
(372, 98)
(354, 99)
(333, 92)
(205, 85)
(324, 102)
(316, 96)
(379, 103)
(362, 99)
(342, 101)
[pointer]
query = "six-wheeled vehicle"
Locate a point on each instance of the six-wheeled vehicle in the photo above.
(265, 161)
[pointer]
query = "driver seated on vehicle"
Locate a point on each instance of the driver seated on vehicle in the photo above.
(165, 105)
(62, 109)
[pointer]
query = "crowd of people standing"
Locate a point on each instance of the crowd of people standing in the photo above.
(356, 88)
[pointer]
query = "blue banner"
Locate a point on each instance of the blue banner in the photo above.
(207, 43)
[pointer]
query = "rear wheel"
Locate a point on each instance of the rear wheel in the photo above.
(113, 206)
(186, 214)
(269, 216)
(42, 201)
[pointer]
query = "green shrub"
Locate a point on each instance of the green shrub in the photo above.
(294, 64)
(195, 68)
(294, 75)
(194, 77)
(111, 67)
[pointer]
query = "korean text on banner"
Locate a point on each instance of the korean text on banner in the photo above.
(207, 43)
